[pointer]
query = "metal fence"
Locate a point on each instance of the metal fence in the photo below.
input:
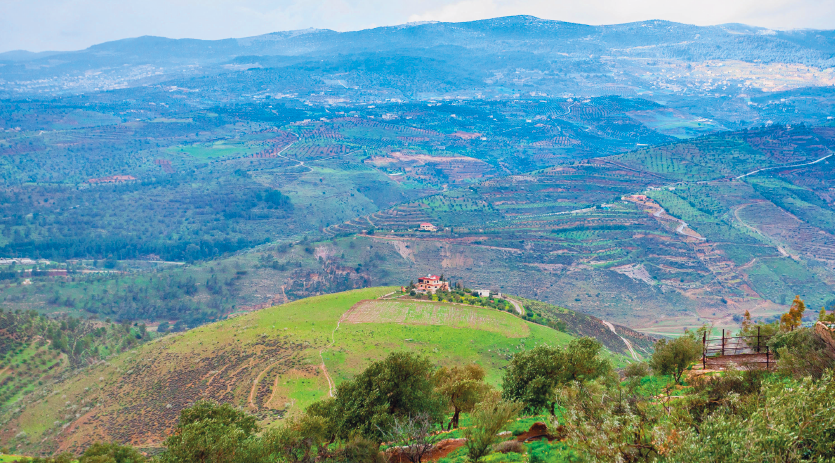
(752, 349)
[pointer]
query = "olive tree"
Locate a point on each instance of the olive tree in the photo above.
(462, 388)
(533, 376)
(400, 385)
(211, 433)
(674, 356)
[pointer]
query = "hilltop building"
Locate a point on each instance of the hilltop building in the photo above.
(431, 284)
(426, 226)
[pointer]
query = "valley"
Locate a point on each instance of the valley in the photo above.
(243, 220)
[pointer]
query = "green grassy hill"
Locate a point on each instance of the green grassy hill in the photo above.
(271, 362)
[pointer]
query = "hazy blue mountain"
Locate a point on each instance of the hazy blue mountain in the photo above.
(479, 48)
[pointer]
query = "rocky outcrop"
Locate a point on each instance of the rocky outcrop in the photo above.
(827, 333)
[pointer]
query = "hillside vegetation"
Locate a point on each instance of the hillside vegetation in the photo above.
(270, 362)
(556, 404)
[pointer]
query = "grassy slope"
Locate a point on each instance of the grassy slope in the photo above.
(268, 361)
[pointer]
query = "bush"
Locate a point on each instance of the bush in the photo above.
(713, 392)
(487, 420)
(61, 458)
(607, 425)
(786, 421)
(509, 446)
(359, 450)
(673, 357)
(299, 439)
(636, 370)
(801, 353)
(212, 433)
(111, 453)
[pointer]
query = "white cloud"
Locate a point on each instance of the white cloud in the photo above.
(73, 24)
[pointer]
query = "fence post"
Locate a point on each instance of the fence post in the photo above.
(758, 339)
(767, 359)
(723, 343)
(704, 351)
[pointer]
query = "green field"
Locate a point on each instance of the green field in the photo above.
(10, 458)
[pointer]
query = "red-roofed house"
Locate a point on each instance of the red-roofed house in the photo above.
(426, 226)
(430, 284)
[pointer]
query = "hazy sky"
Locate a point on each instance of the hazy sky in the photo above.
(38, 25)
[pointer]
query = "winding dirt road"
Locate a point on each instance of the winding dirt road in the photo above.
(625, 341)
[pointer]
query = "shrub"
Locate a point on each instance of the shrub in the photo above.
(111, 453)
(802, 353)
(487, 420)
(787, 421)
(673, 357)
(712, 392)
(61, 458)
(608, 425)
(359, 450)
(636, 370)
(211, 433)
(509, 446)
(299, 439)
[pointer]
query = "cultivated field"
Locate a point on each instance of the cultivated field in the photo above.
(406, 312)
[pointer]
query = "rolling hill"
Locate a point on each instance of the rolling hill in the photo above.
(271, 362)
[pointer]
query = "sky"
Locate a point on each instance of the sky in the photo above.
(38, 25)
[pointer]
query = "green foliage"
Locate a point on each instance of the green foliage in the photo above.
(111, 453)
(298, 440)
(636, 370)
(32, 346)
(673, 357)
(400, 385)
(462, 388)
(756, 335)
(603, 424)
(487, 420)
(65, 457)
(358, 449)
(534, 375)
(802, 353)
(212, 433)
(786, 421)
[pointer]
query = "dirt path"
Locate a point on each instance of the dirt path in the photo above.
(784, 167)
(324, 368)
(516, 305)
(625, 341)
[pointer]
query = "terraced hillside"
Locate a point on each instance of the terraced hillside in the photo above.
(674, 235)
(272, 362)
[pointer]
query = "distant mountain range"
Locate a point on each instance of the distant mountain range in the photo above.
(606, 55)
